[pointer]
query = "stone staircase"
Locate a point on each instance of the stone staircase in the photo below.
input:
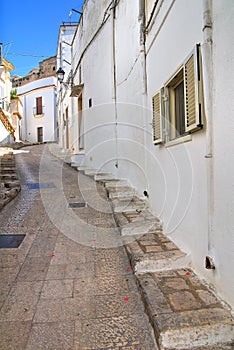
(6, 123)
(184, 312)
(9, 184)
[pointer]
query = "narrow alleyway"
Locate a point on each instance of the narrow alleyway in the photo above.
(69, 284)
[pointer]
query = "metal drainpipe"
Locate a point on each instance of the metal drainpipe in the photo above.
(208, 83)
(142, 21)
(114, 82)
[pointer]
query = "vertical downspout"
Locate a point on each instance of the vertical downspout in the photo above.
(142, 45)
(142, 21)
(25, 119)
(207, 59)
(114, 83)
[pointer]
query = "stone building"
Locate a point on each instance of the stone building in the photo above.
(47, 68)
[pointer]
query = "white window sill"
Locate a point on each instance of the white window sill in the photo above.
(179, 140)
(37, 116)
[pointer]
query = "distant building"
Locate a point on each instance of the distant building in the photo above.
(47, 68)
(64, 102)
(37, 91)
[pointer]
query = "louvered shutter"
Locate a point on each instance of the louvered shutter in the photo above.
(192, 85)
(157, 120)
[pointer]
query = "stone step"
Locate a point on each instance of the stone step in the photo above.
(125, 205)
(7, 170)
(12, 184)
(154, 252)
(67, 160)
(120, 192)
(184, 313)
(90, 172)
(74, 165)
(112, 184)
(7, 163)
(4, 177)
(103, 177)
(141, 227)
(82, 168)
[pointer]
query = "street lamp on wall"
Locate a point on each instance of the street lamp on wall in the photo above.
(60, 74)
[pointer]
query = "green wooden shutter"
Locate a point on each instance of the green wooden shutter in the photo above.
(192, 82)
(157, 120)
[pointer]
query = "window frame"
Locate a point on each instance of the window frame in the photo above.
(164, 123)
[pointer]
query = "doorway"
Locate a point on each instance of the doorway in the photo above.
(80, 124)
(40, 134)
(67, 129)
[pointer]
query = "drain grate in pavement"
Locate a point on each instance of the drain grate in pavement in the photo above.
(77, 205)
(11, 241)
(37, 186)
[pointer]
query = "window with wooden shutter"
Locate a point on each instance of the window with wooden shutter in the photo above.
(192, 82)
(157, 120)
(39, 105)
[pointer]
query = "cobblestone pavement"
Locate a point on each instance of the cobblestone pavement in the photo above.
(66, 287)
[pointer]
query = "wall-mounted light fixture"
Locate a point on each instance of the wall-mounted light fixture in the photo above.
(75, 89)
(60, 74)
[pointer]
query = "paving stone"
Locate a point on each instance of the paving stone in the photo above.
(67, 309)
(51, 336)
(112, 332)
(14, 335)
(183, 300)
(53, 289)
(20, 304)
(83, 338)
(172, 284)
(115, 305)
(152, 248)
(103, 285)
(34, 269)
(207, 297)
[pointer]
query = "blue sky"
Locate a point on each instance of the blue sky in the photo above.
(31, 28)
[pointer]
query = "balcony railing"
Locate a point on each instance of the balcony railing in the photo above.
(38, 111)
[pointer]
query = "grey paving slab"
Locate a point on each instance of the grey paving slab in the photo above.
(21, 302)
(57, 289)
(14, 335)
(64, 310)
(51, 336)
(113, 332)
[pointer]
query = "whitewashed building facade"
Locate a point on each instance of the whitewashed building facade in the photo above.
(39, 121)
(152, 102)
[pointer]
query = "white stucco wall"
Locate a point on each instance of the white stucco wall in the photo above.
(222, 238)
(64, 60)
(28, 93)
(175, 177)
